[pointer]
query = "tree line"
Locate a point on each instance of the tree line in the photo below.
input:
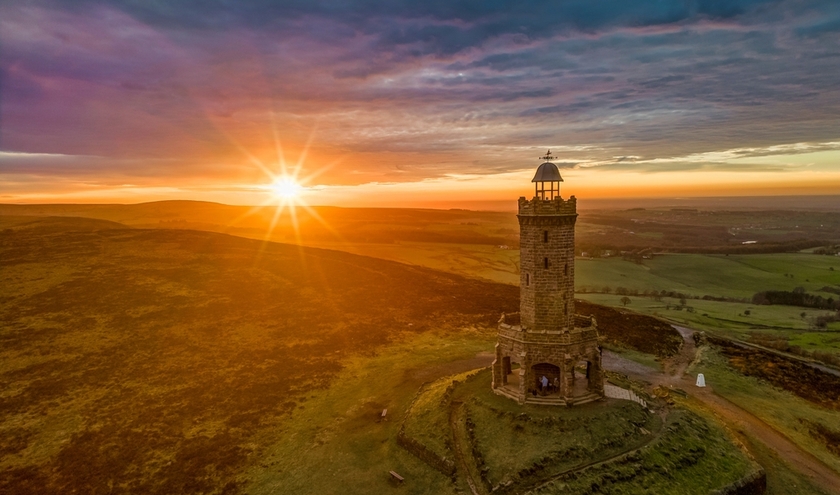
(795, 297)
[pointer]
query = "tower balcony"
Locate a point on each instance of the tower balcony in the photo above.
(548, 207)
(510, 327)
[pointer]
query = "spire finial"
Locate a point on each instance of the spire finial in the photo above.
(547, 156)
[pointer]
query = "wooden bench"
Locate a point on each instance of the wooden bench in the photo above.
(394, 476)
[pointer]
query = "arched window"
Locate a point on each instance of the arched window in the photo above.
(545, 262)
(527, 279)
(566, 269)
(545, 236)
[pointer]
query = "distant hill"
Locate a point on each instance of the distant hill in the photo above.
(636, 231)
(58, 224)
(147, 358)
(307, 225)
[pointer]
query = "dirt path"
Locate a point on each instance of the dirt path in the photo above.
(737, 418)
(747, 424)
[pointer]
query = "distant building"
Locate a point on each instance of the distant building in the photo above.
(545, 353)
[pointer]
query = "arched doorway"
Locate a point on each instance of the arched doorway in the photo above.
(546, 379)
(580, 378)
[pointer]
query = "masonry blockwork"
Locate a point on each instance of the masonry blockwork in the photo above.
(546, 353)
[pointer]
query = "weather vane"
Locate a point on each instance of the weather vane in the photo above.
(547, 156)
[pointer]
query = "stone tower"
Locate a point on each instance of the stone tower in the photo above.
(546, 353)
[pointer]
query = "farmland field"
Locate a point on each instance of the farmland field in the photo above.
(729, 319)
(734, 276)
(694, 275)
(738, 276)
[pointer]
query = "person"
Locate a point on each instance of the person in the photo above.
(556, 384)
(544, 382)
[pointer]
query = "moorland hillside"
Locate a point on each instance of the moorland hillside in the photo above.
(148, 361)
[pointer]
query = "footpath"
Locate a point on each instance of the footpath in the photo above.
(738, 419)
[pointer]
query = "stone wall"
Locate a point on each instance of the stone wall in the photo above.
(442, 464)
(445, 466)
(547, 263)
(754, 483)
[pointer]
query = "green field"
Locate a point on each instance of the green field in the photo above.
(736, 276)
(695, 275)
(733, 276)
(176, 360)
(730, 319)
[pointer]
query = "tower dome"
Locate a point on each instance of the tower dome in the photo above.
(547, 179)
(547, 172)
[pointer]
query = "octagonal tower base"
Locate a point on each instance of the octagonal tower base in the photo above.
(569, 360)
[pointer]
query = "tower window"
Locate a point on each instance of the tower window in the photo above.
(545, 236)
(527, 279)
(566, 269)
(566, 309)
(545, 262)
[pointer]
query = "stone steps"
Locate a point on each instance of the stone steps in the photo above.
(615, 392)
(507, 393)
(559, 401)
(554, 400)
(584, 399)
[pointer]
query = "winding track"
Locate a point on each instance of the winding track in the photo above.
(740, 420)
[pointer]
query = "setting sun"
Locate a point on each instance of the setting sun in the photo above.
(286, 188)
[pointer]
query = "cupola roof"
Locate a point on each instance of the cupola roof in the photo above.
(547, 172)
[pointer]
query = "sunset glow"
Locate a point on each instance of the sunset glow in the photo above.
(286, 188)
(635, 100)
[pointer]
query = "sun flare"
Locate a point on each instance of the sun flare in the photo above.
(286, 188)
(286, 192)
